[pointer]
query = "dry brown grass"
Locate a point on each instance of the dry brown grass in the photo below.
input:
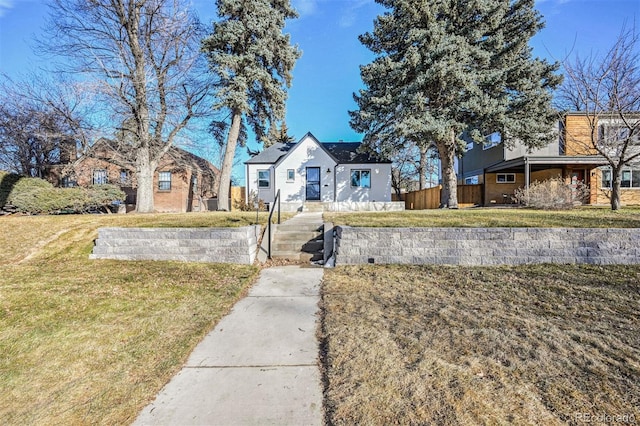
(92, 342)
(508, 345)
(586, 217)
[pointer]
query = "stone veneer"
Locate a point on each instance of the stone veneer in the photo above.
(486, 246)
(223, 245)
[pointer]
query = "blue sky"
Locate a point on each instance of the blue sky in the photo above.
(327, 32)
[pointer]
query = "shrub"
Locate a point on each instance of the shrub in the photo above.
(552, 194)
(101, 196)
(251, 205)
(37, 196)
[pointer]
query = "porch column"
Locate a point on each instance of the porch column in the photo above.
(527, 173)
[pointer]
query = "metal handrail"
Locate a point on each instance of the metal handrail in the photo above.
(275, 202)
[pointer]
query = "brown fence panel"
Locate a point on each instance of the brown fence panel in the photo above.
(468, 195)
(424, 199)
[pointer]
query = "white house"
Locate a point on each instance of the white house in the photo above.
(332, 174)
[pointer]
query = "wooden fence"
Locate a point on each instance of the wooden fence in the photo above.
(468, 195)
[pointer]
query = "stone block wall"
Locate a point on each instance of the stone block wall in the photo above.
(219, 245)
(486, 246)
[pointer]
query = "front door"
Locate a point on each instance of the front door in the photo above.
(312, 192)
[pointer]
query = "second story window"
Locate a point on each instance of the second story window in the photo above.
(100, 177)
(164, 181)
(617, 134)
(492, 140)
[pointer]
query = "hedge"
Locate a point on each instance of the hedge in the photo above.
(37, 196)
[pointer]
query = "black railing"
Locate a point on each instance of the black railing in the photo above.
(276, 204)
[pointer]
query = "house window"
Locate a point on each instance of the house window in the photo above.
(263, 179)
(291, 175)
(606, 178)
(629, 178)
(68, 182)
(124, 177)
(611, 133)
(100, 177)
(473, 180)
(492, 140)
(505, 178)
(361, 178)
(164, 181)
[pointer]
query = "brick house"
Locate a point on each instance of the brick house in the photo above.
(502, 170)
(183, 182)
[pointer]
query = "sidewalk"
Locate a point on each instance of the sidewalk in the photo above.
(258, 366)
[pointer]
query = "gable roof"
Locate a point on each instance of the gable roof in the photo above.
(347, 153)
(340, 152)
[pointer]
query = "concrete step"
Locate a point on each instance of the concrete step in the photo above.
(293, 235)
(300, 226)
(296, 255)
(311, 207)
(309, 246)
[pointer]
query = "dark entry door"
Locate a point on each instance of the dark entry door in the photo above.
(313, 184)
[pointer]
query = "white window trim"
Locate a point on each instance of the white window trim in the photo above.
(360, 179)
(268, 178)
(494, 139)
(622, 188)
(506, 181)
(106, 176)
(160, 181)
(293, 174)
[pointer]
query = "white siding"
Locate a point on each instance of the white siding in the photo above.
(335, 181)
(265, 194)
(307, 153)
(380, 183)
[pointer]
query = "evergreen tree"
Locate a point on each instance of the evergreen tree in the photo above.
(448, 69)
(253, 61)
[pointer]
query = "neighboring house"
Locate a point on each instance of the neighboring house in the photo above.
(183, 182)
(503, 170)
(309, 171)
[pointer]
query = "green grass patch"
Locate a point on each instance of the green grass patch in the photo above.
(587, 217)
(92, 342)
(530, 345)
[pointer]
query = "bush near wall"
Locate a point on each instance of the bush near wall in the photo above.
(37, 196)
(553, 194)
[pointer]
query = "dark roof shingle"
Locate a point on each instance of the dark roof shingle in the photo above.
(342, 152)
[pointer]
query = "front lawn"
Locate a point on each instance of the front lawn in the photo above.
(587, 217)
(92, 342)
(544, 344)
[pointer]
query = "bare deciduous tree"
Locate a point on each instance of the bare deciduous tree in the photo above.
(607, 90)
(40, 121)
(144, 57)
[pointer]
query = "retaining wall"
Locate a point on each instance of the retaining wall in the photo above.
(486, 246)
(223, 245)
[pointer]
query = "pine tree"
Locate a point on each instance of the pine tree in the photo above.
(253, 60)
(448, 69)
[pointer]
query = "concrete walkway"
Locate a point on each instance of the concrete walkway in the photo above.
(258, 366)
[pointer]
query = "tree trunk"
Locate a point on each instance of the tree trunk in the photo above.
(423, 167)
(615, 188)
(449, 193)
(146, 169)
(227, 162)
